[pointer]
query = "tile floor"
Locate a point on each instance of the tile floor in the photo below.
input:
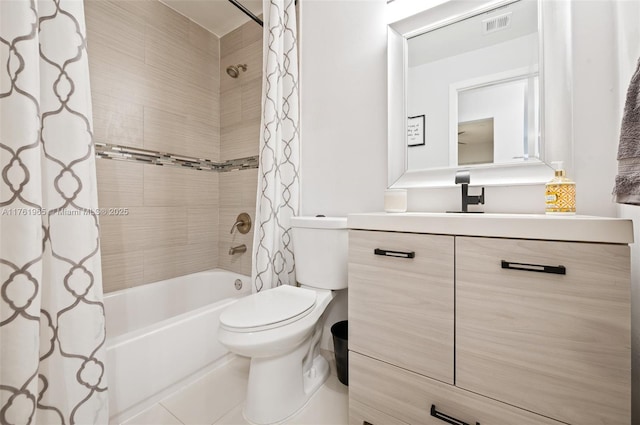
(218, 398)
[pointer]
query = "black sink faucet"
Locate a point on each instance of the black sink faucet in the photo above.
(463, 177)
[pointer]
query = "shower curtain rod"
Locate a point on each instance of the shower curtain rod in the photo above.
(247, 12)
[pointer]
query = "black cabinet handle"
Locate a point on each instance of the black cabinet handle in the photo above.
(446, 418)
(399, 254)
(366, 423)
(540, 268)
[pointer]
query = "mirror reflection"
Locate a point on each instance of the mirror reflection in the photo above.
(473, 90)
(475, 141)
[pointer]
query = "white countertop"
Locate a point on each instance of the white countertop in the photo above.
(580, 228)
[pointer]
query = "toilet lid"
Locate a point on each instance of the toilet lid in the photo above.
(281, 304)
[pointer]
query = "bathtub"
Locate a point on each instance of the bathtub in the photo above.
(160, 335)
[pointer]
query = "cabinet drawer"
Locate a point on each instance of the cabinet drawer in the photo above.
(556, 344)
(361, 414)
(409, 397)
(401, 309)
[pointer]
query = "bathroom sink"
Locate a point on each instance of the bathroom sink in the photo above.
(527, 226)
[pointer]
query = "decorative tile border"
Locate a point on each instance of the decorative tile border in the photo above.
(124, 153)
(250, 162)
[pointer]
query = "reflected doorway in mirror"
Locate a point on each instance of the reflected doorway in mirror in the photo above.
(511, 100)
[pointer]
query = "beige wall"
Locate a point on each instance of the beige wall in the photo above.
(240, 98)
(237, 194)
(171, 228)
(159, 82)
(155, 85)
(240, 112)
(155, 78)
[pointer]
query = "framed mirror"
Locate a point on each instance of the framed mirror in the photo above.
(468, 87)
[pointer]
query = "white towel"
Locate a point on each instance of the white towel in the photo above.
(627, 188)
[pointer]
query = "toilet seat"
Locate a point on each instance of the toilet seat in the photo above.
(269, 309)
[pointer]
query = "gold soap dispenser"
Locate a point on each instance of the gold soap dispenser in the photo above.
(560, 194)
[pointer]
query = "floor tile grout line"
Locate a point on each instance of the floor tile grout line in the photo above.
(170, 403)
(229, 411)
(232, 415)
(170, 412)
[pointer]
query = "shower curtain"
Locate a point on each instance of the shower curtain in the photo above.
(52, 330)
(278, 176)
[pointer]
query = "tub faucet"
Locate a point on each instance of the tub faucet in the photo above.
(237, 249)
(463, 177)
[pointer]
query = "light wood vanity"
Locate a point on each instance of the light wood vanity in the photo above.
(489, 319)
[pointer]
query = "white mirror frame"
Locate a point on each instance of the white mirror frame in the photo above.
(556, 116)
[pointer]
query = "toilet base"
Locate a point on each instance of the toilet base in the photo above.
(277, 391)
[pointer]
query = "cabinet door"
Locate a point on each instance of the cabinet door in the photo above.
(409, 397)
(401, 309)
(555, 344)
(361, 414)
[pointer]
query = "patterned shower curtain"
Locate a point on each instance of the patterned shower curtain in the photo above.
(52, 329)
(278, 176)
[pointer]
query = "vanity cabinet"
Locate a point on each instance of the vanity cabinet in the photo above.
(487, 330)
(401, 300)
(556, 344)
(410, 397)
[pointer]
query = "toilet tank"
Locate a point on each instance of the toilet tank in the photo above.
(320, 247)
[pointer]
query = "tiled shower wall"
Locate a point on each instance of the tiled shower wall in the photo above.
(240, 111)
(155, 85)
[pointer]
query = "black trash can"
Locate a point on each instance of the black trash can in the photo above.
(340, 334)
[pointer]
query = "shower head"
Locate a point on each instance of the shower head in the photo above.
(234, 70)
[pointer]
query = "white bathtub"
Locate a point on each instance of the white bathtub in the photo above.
(161, 334)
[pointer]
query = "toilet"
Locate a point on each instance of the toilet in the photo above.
(280, 328)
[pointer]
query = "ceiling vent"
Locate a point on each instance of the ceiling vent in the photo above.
(496, 23)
